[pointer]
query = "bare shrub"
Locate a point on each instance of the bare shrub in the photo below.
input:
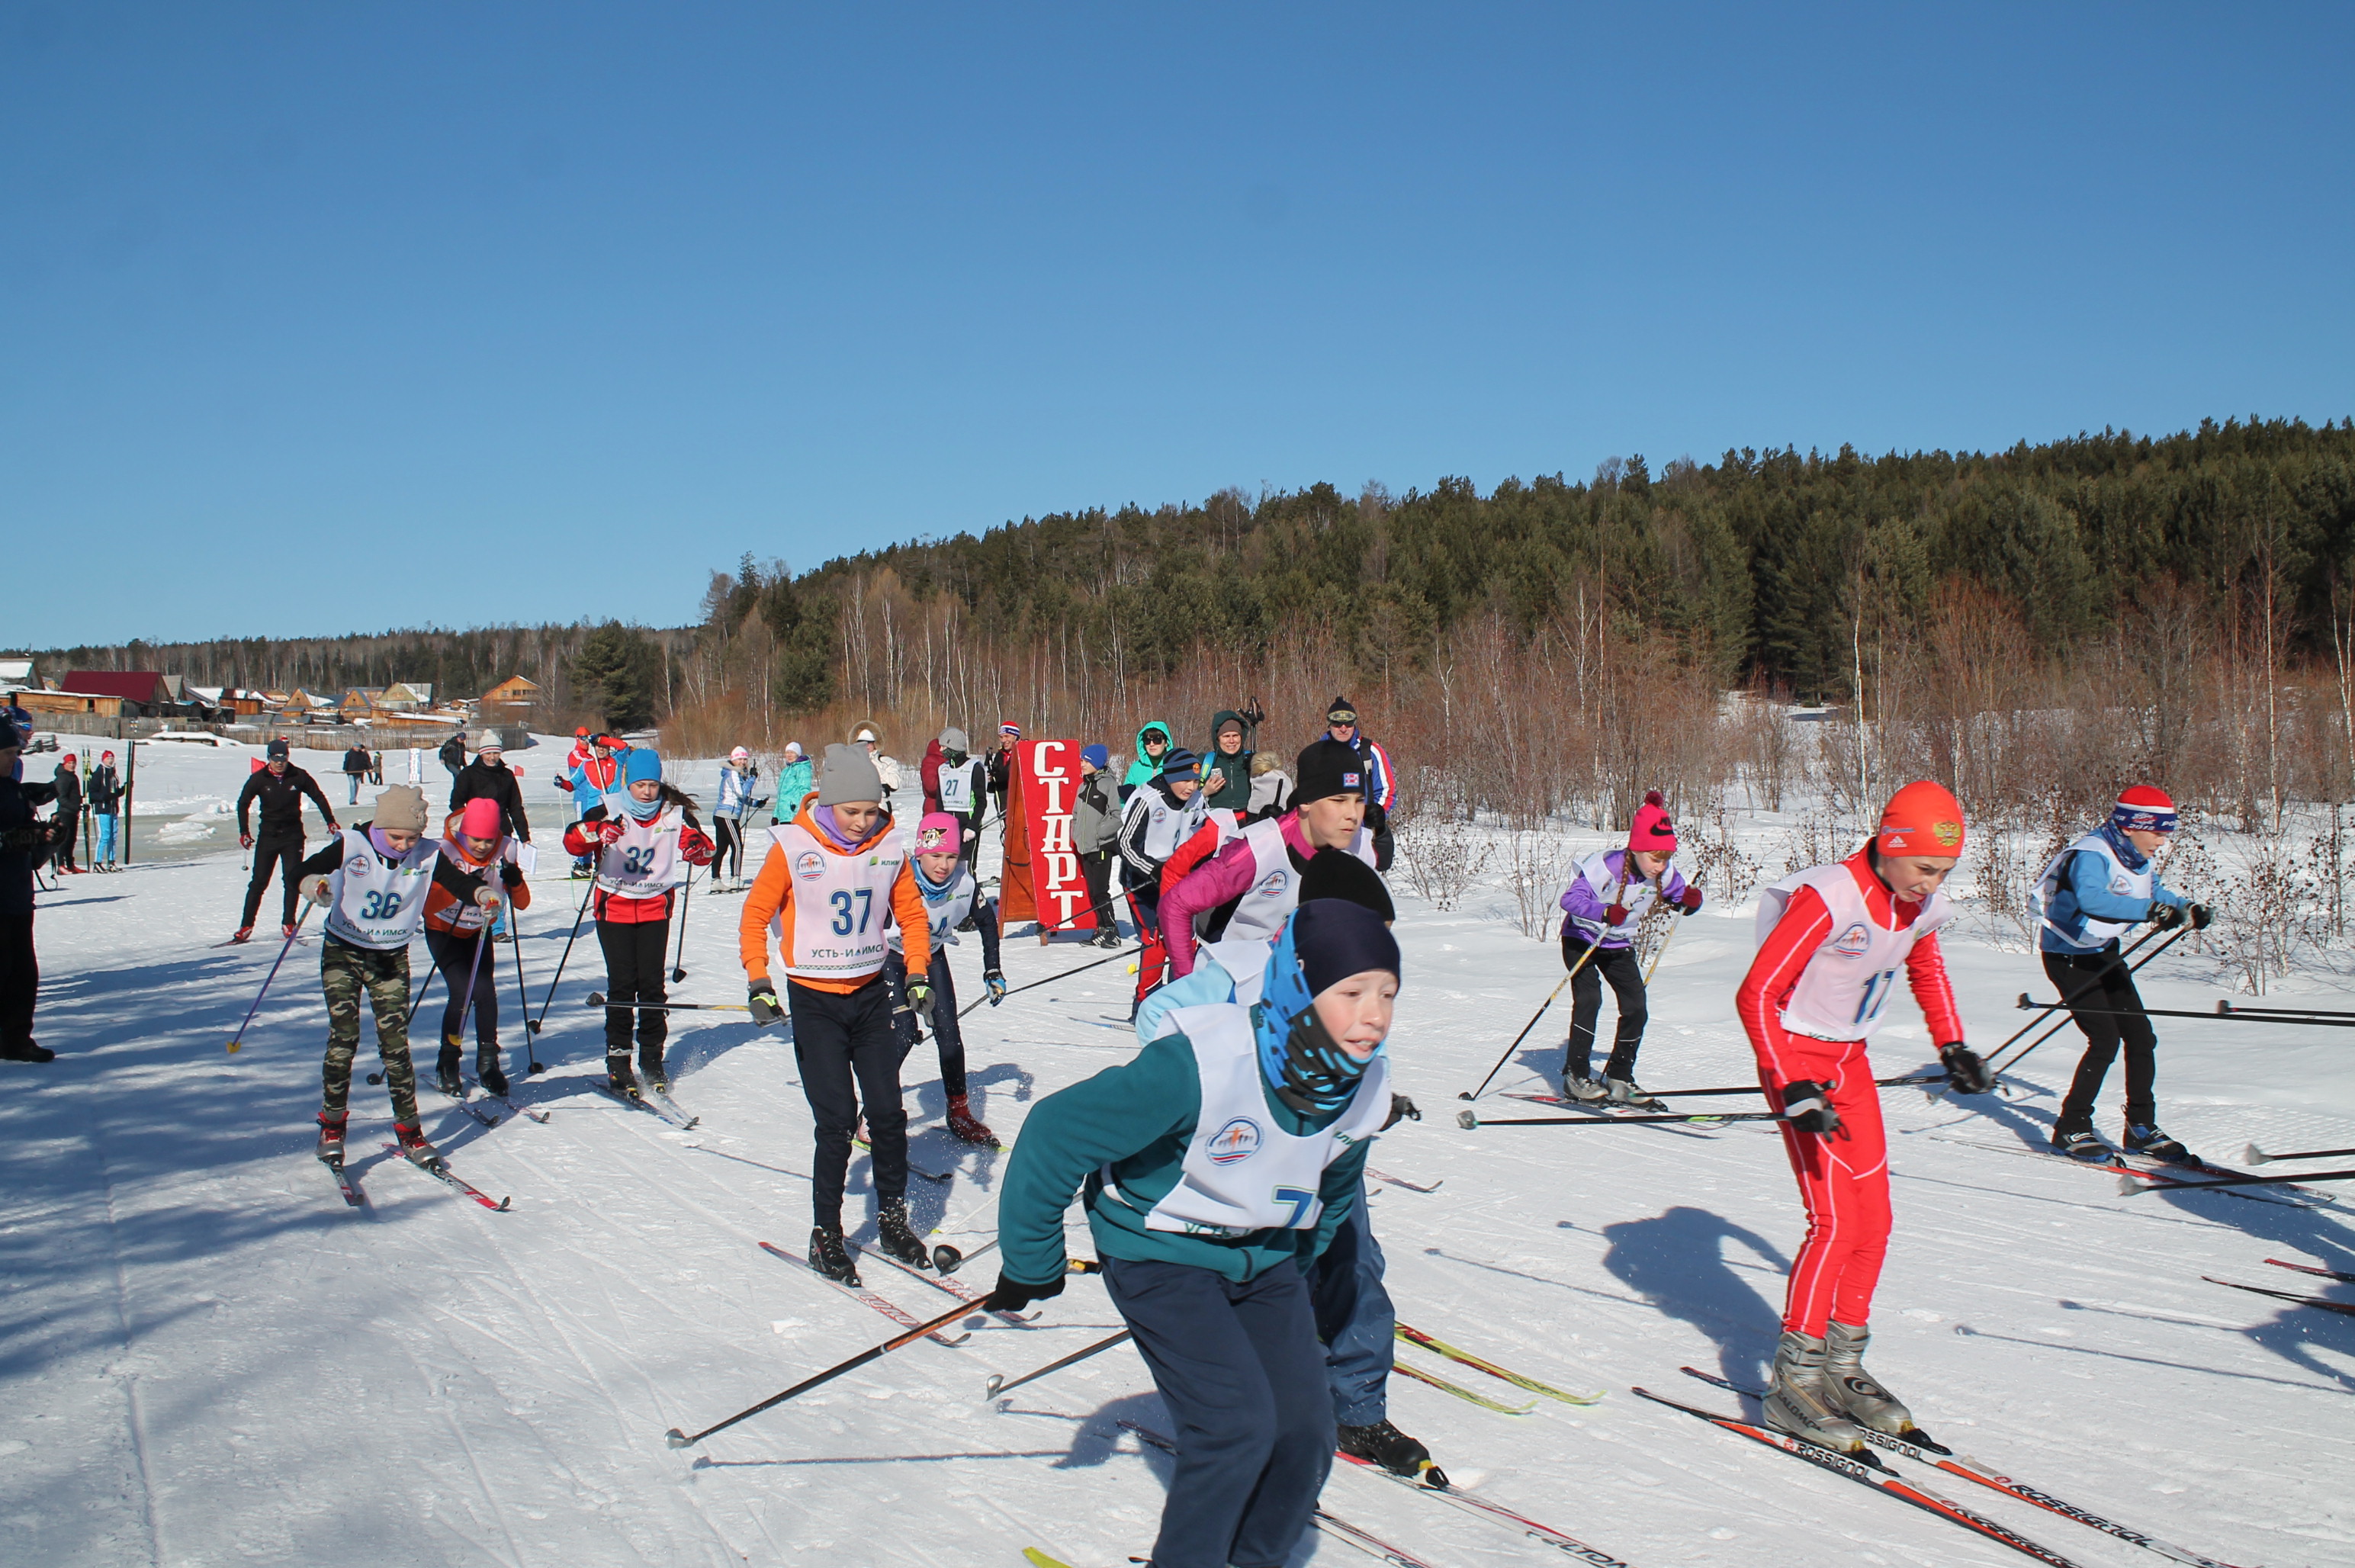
(1443, 850)
(1720, 867)
(1538, 866)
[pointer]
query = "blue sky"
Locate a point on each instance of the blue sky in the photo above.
(316, 318)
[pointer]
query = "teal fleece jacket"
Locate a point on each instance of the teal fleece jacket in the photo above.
(1138, 1118)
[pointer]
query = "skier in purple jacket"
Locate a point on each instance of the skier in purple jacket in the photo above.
(1605, 902)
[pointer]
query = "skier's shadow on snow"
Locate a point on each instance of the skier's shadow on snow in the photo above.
(1676, 1262)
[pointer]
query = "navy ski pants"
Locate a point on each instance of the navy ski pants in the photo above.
(1355, 1319)
(1239, 1367)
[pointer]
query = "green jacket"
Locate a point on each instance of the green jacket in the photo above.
(1142, 769)
(1138, 1118)
(1236, 794)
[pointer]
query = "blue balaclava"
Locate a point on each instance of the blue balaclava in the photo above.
(643, 764)
(1325, 941)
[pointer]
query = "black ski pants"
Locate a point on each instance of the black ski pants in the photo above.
(728, 853)
(637, 962)
(2096, 980)
(20, 980)
(1239, 1367)
(454, 956)
(1097, 869)
(285, 853)
(947, 1035)
(849, 1056)
(1616, 965)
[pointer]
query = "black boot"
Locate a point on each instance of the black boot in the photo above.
(448, 1079)
(494, 1082)
(1384, 1445)
(651, 1068)
(830, 1255)
(619, 1078)
(896, 1237)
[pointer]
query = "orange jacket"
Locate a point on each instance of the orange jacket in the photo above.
(772, 898)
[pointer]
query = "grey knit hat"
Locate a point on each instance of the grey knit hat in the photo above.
(953, 740)
(848, 776)
(401, 809)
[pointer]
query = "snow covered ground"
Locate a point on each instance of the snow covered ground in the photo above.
(207, 1360)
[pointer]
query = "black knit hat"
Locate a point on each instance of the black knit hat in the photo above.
(1328, 767)
(1341, 711)
(1179, 764)
(1337, 874)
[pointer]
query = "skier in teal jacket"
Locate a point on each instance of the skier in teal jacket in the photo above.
(1215, 1168)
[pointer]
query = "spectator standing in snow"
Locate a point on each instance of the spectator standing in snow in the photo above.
(738, 778)
(19, 736)
(488, 777)
(887, 767)
(356, 768)
(1226, 770)
(1381, 780)
(105, 808)
(1096, 834)
(794, 781)
(453, 753)
(1270, 788)
(1606, 901)
(1145, 767)
(376, 770)
(21, 840)
(66, 822)
(279, 787)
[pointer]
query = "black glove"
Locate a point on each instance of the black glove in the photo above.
(1965, 1073)
(1804, 1107)
(2165, 917)
(2201, 916)
(920, 995)
(1012, 1295)
(765, 1010)
(1402, 1110)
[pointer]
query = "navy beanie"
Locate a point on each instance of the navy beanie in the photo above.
(1334, 939)
(1179, 764)
(1337, 874)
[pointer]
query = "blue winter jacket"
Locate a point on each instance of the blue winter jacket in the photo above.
(2085, 894)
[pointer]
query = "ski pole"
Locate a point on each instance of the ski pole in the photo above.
(1468, 1119)
(678, 1439)
(998, 1384)
(687, 892)
(238, 1038)
(2253, 1154)
(597, 999)
(1753, 1088)
(2129, 1185)
(522, 1003)
(2231, 1009)
(466, 1006)
(1050, 980)
(1591, 948)
(2234, 1015)
(1996, 1069)
(418, 1000)
(569, 941)
(1654, 967)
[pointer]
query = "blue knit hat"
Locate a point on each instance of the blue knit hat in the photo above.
(1096, 756)
(1179, 764)
(643, 765)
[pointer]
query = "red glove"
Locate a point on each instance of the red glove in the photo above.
(1689, 898)
(698, 848)
(1615, 915)
(564, 784)
(245, 840)
(607, 832)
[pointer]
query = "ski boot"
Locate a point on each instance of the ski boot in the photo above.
(331, 1140)
(966, 1125)
(26, 1050)
(1627, 1094)
(1384, 1445)
(830, 1255)
(894, 1235)
(651, 1069)
(2146, 1139)
(1855, 1392)
(1585, 1091)
(2078, 1141)
(244, 933)
(619, 1078)
(413, 1147)
(446, 1073)
(1107, 938)
(1798, 1402)
(494, 1082)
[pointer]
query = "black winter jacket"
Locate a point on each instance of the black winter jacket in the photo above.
(479, 780)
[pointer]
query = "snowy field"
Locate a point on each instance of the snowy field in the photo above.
(207, 1360)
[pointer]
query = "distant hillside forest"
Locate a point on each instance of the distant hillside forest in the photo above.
(1816, 576)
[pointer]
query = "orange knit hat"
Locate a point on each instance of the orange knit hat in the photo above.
(1923, 819)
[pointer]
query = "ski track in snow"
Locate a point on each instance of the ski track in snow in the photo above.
(210, 1360)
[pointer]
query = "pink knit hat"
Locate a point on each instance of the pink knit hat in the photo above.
(1654, 834)
(939, 834)
(483, 818)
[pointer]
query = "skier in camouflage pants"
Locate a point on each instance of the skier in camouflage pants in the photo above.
(344, 973)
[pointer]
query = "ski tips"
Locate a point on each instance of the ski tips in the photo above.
(1467, 1119)
(678, 1439)
(2252, 1154)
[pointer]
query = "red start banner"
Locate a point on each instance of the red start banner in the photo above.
(1050, 784)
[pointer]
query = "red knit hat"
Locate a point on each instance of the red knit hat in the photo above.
(1923, 819)
(1653, 833)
